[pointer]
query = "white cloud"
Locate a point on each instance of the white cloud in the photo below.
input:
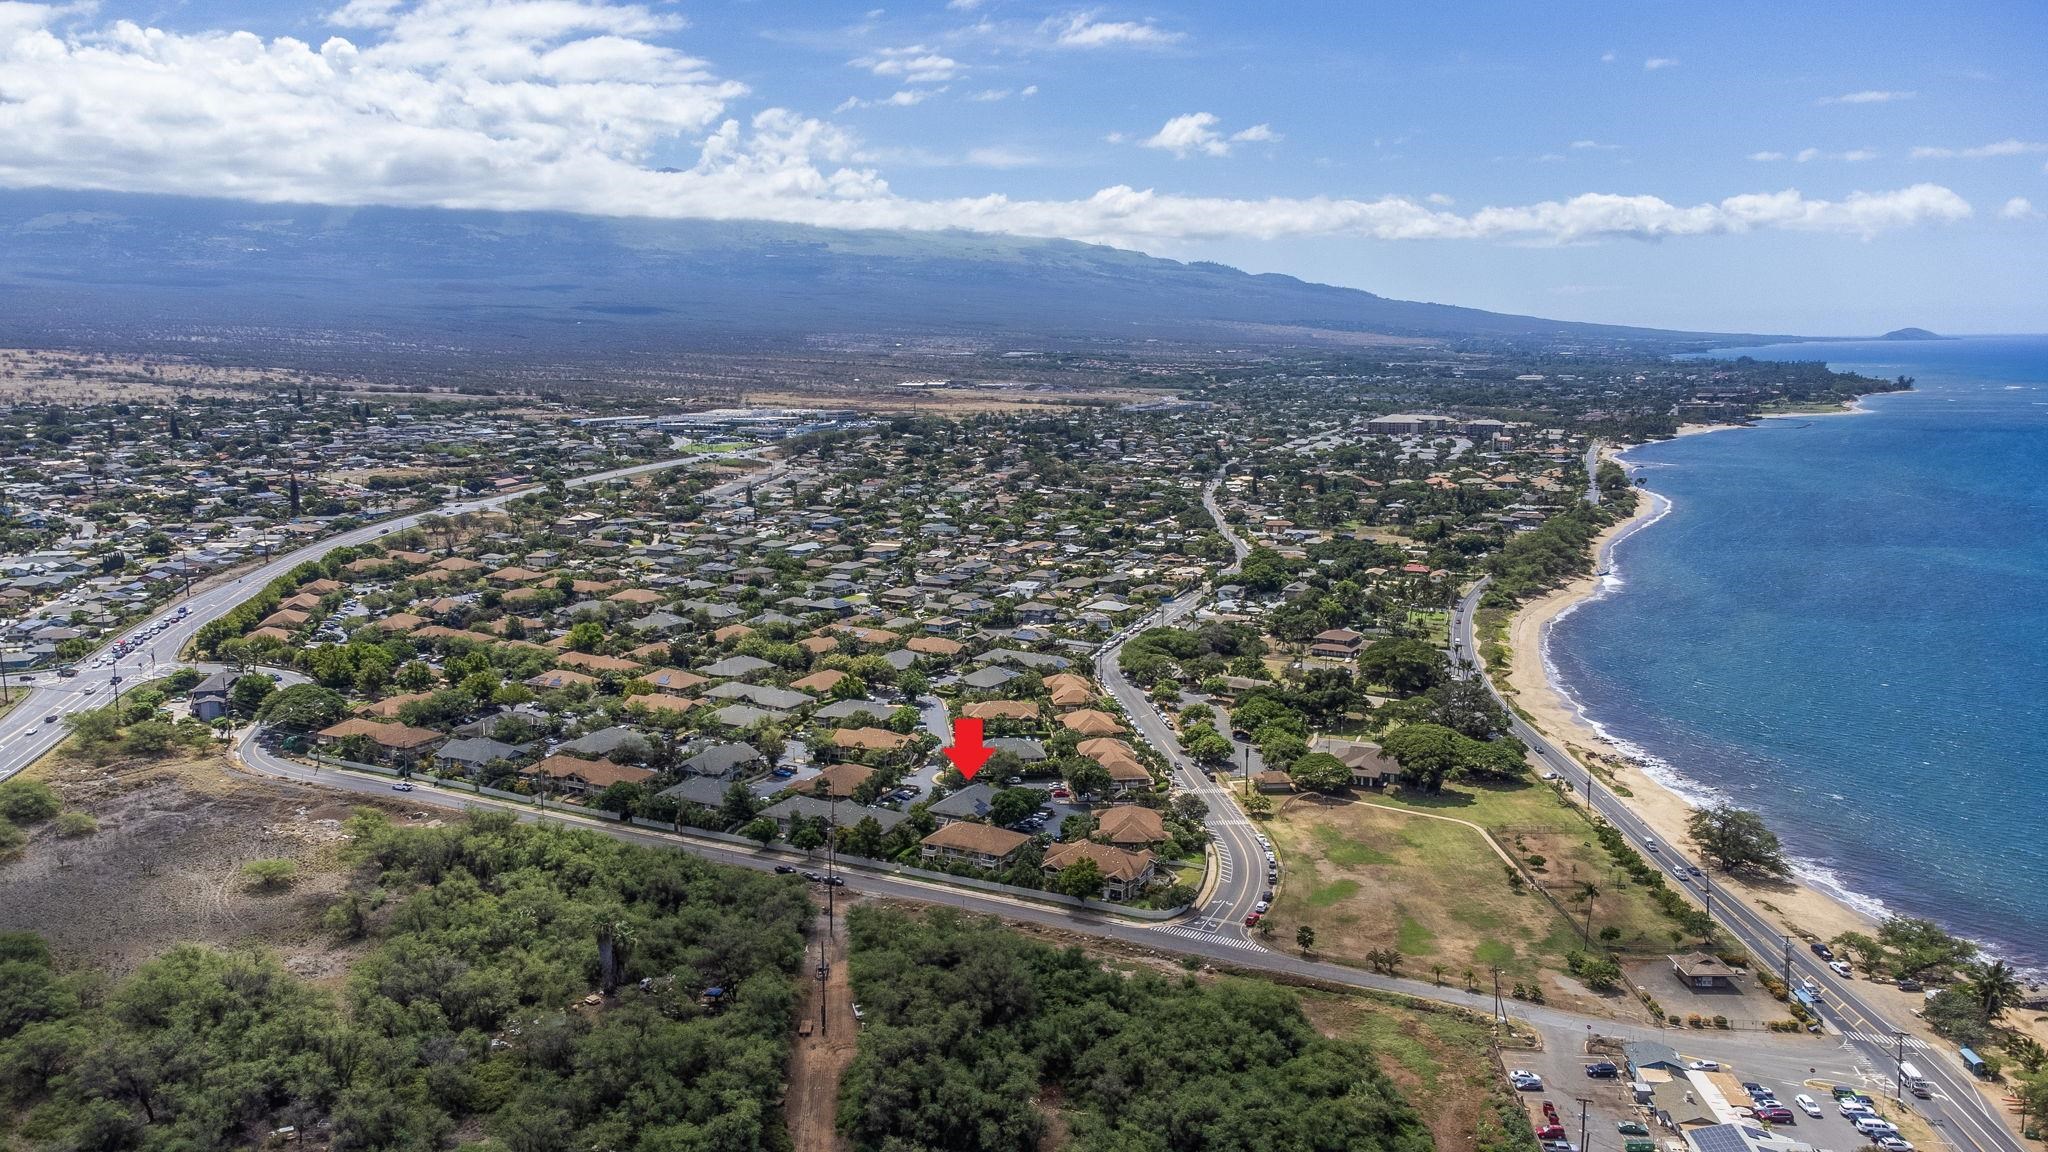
(2006, 147)
(568, 105)
(916, 64)
(2018, 208)
(1083, 30)
(1808, 155)
(1655, 63)
(1196, 134)
(1594, 146)
(1001, 158)
(1867, 96)
(906, 98)
(991, 95)
(964, 5)
(1859, 155)
(1607, 57)
(1184, 136)
(1766, 156)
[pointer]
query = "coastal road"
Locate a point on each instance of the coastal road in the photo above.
(36, 724)
(1958, 1111)
(1593, 472)
(1564, 1033)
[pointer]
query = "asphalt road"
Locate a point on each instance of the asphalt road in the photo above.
(30, 730)
(1958, 1110)
(1593, 472)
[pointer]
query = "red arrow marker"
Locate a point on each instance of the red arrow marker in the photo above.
(968, 753)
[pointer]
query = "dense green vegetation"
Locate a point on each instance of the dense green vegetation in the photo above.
(465, 1018)
(968, 1023)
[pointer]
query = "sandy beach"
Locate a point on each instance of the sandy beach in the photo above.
(1800, 908)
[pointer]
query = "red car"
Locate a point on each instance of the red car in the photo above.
(1550, 1132)
(1251, 920)
(1550, 1111)
(1776, 1114)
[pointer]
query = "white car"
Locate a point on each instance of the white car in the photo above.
(1703, 1065)
(1525, 1080)
(1807, 1104)
(1841, 968)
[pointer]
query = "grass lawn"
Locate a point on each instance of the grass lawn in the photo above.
(1556, 845)
(1368, 878)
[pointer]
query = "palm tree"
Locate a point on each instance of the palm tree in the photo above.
(1587, 891)
(1436, 975)
(1994, 987)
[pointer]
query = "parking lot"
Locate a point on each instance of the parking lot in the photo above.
(1609, 1103)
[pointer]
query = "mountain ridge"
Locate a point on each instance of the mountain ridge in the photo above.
(110, 263)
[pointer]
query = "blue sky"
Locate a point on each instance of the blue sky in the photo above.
(1776, 168)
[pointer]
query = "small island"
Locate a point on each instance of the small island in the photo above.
(1913, 334)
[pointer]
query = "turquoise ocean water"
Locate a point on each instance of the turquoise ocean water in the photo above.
(1842, 622)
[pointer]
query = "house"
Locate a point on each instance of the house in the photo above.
(581, 777)
(736, 667)
(605, 741)
(1273, 781)
(1699, 970)
(396, 743)
(1091, 722)
(1336, 644)
(980, 845)
(1370, 766)
(1124, 874)
(472, 753)
(836, 782)
(673, 681)
(812, 808)
(819, 682)
(1130, 826)
(1001, 710)
(969, 803)
(209, 697)
(780, 699)
(590, 662)
(1069, 690)
(868, 740)
(725, 761)
(559, 678)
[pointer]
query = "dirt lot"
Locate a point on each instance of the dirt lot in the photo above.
(819, 1061)
(37, 375)
(164, 866)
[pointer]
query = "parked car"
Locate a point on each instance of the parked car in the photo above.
(1807, 1104)
(1604, 1070)
(1251, 920)
(401, 786)
(1631, 1128)
(814, 877)
(1841, 968)
(1550, 1132)
(1525, 1080)
(1909, 985)
(1776, 1114)
(1821, 950)
(1704, 1065)
(784, 870)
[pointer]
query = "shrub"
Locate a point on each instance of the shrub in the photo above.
(73, 824)
(27, 801)
(271, 875)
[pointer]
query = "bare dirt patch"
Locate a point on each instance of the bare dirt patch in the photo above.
(818, 1062)
(164, 868)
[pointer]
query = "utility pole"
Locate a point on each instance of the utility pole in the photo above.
(1899, 1067)
(824, 968)
(1500, 1010)
(831, 829)
(1582, 1123)
(1787, 937)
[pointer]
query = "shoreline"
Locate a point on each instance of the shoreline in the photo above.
(1802, 905)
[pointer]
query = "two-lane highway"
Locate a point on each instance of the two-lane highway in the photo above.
(1958, 1110)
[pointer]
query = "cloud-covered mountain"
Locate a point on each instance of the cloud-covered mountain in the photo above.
(127, 270)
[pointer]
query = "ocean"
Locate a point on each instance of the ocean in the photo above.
(1842, 623)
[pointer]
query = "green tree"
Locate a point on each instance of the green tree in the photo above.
(1082, 879)
(93, 726)
(737, 806)
(1305, 939)
(1408, 666)
(249, 693)
(1994, 988)
(1737, 840)
(1013, 804)
(1087, 778)
(762, 829)
(586, 636)
(270, 875)
(1320, 772)
(303, 708)
(1427, 753)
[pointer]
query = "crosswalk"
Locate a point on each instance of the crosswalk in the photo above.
(1211, 936)
(1886, 1041)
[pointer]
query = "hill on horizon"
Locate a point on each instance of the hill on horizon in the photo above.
(136, 270)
